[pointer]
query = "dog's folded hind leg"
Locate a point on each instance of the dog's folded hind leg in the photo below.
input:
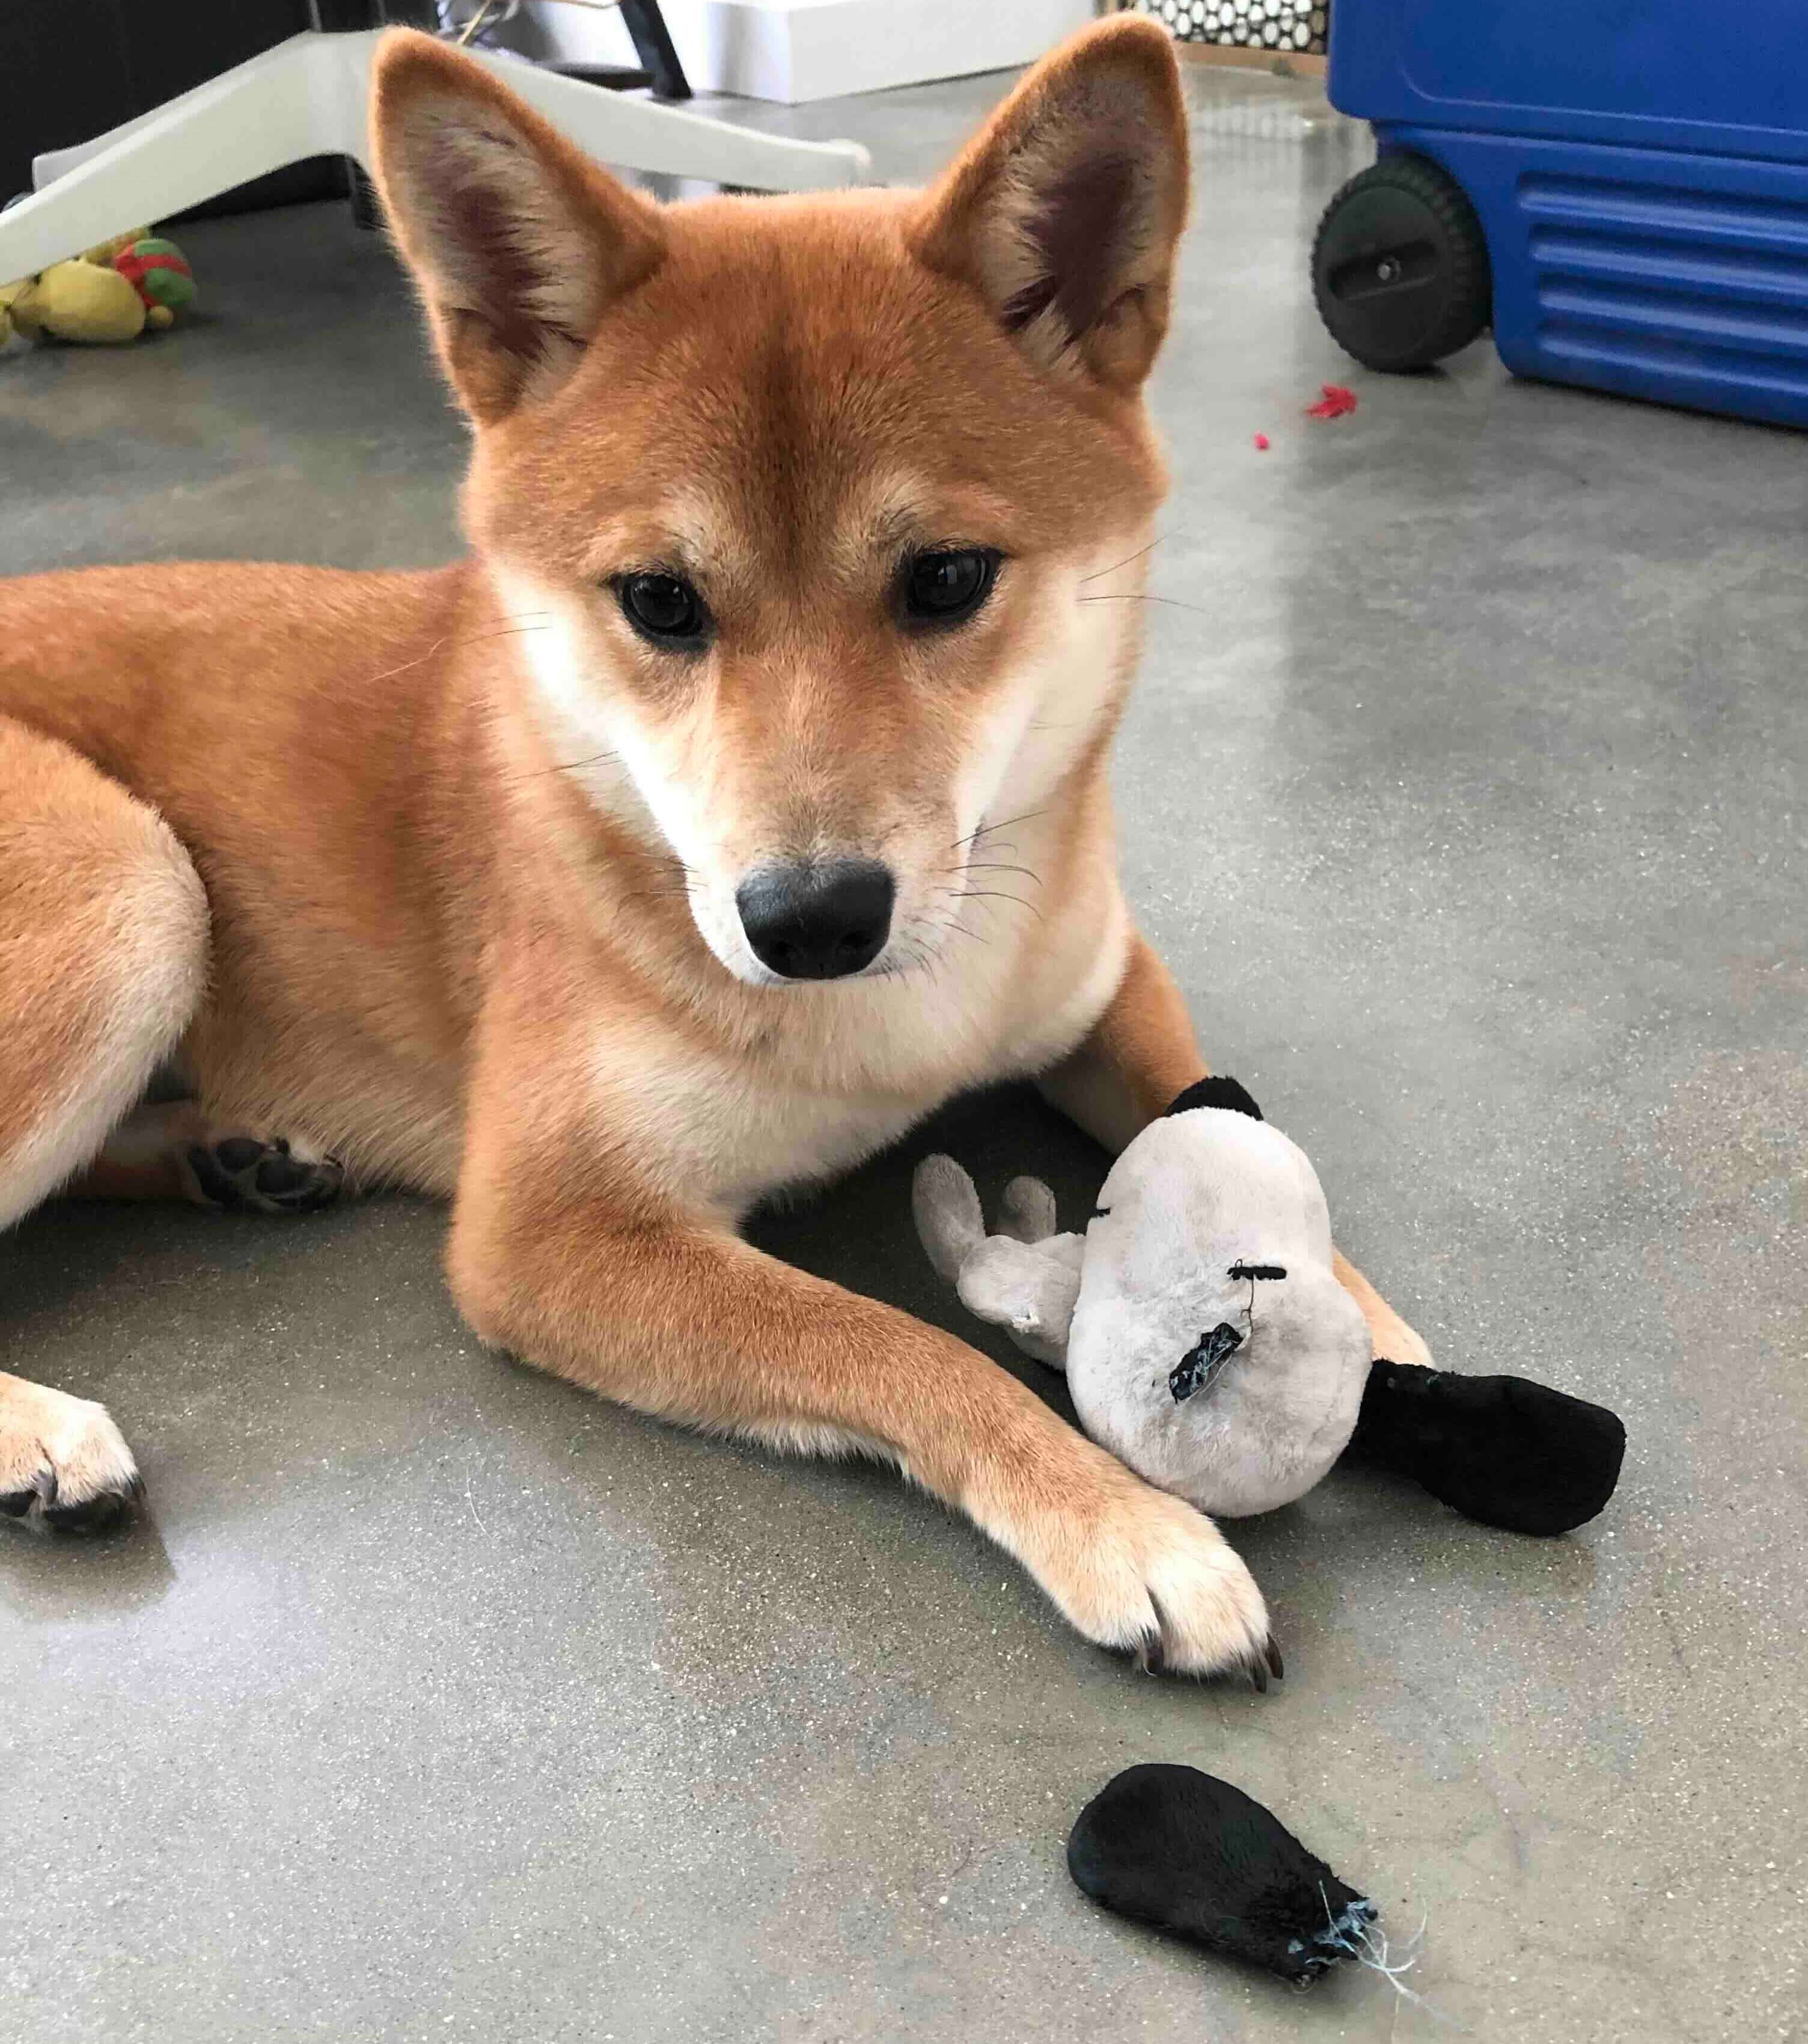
(104, 934)
(103, 962)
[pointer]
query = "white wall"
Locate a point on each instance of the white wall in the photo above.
(794, 50)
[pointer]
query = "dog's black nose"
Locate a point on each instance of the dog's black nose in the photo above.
(817, 922)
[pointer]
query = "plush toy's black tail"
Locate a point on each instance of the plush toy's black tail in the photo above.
(1501, 1450)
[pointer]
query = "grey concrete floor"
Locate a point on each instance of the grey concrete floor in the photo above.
(1467, 797)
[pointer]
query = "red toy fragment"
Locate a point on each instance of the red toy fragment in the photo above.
(1261, 443)
(1336, 402)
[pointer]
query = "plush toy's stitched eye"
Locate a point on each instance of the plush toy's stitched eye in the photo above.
(1102, 1213)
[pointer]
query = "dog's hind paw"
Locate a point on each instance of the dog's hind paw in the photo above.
(245, 1173)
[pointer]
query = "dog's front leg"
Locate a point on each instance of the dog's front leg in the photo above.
(1141, 1054)
(560, 1255)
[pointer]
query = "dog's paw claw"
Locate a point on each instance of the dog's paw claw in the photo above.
(1146, 1575)
(65, 1466)
(1151, 1654)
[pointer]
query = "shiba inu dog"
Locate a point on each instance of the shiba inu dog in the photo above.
(672, 848)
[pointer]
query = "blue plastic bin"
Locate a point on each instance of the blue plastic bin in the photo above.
(1640, 171)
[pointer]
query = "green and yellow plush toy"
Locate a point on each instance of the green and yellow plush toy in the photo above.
(110, 293)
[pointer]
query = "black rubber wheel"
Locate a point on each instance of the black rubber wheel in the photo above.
(1400, 266)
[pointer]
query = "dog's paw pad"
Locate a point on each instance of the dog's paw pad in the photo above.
(244, 1172)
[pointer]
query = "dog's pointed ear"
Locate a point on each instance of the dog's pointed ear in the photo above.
(1064, 211)
(518, 241)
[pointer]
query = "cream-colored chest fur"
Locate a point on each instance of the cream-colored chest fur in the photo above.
(837, 1071)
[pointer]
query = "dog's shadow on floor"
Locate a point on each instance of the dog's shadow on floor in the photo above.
(858, 1232)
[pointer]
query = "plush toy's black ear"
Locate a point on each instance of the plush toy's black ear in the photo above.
(1501, 1450)
(1217, 1092)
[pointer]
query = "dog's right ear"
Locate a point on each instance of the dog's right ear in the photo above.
(518, 241)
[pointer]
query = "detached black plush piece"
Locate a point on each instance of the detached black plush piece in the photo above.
(1501, 1450)
(1196, 1857)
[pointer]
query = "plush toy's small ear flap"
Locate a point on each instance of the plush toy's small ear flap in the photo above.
(1216, 1092)
(946, 1207)
(1027, 1213)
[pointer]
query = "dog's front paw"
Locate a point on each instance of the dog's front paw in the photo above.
(63, 1464)
(1136, 1569)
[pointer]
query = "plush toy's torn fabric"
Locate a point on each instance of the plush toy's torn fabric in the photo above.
(1198, 1370)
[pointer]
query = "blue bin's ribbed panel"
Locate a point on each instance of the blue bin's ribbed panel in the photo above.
(1677, 278)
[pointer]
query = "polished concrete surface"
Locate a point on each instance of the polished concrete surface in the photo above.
(1466, 792)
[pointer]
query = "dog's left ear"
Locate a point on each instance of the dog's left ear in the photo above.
(1065, 209)
(518, 241)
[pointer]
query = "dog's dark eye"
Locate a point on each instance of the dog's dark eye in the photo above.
(662, 607)
(943, 588)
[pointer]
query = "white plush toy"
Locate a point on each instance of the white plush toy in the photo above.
(1205, 1341)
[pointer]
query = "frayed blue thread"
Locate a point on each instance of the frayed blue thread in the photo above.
(1355, 1932)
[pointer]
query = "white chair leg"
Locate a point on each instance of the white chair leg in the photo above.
(49, 165)
(307, 97)
(646, 135)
